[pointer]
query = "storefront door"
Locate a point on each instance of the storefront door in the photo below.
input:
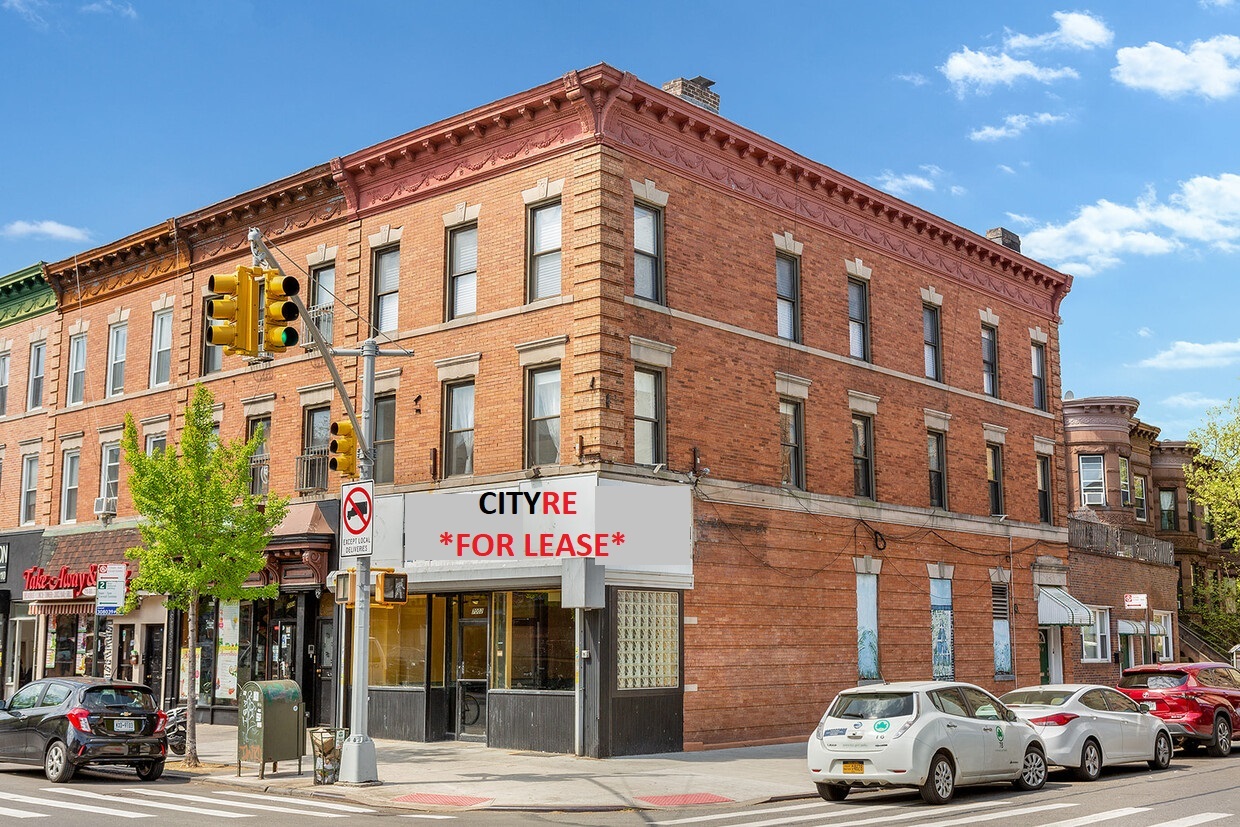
(283, 654)
(126, 647)
(472, 657)
(21, 662)
(153, 658)
(324, 660)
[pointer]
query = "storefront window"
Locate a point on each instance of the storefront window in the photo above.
(77, 645)
(533, 638)
(398, 644)
(203, 656)
(647, 640)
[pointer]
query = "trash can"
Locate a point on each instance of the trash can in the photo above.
(272, 725)
(326, 743)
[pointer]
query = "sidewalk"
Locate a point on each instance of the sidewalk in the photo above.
(454, 775)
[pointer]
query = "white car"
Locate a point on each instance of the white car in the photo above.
(1086, 727)
(932, 735)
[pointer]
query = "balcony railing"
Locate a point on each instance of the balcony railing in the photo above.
(1118, 542)
(259, 475)
(312, 470)
(322, 314)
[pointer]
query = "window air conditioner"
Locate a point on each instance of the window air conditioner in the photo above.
(105, 506)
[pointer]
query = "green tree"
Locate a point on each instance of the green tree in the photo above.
(1213, 477)
(204, 530)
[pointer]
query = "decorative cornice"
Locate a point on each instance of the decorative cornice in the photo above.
(24, 295)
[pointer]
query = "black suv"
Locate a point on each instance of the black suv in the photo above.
(67, 723)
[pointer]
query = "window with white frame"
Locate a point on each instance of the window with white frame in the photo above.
(1162, 642)
(931, 335)
(212, 355)
(77, 369)
(323, 298)
(4, 384)
(385, 439)
(858, 319)
(30, 487)
(787, 296)
(648, 416)
(1093, 482)
(1096, 638)
(1138, 498)
(387, 287)
(463, 271)
(38, 356)
(647, 639)
(863, 456)
(458, 448)
(156, 444)
(648, 252)
(1125, 483)
(161, 348)
(1168, 518)
(110, 471)
(792, 442)
(69, 485)
(1038, 354)
(545, 223)
(542, 435)
(118, 340)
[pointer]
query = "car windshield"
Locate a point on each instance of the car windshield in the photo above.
(133, 698)
(1153, 680)
(872, 705)
(1040, 697)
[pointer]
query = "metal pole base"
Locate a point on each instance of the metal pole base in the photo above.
(357, 761)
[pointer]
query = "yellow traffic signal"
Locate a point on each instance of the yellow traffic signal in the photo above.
(278, 311)
(344, 446)
(236, 309)
(392, 587)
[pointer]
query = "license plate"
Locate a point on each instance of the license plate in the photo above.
(854, 768)
(123, 725)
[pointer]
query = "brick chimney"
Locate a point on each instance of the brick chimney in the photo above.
(1006, 237)
(696, 91)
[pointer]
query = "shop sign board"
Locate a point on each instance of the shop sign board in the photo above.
(64, 585)
(357, 513)
(110, 589)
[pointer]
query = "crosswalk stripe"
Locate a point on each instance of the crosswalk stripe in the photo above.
(425, 815)
(1085, 821)
(5, 811)
(859, 810)
(718, 816)
(839, 813)
(69, 805)
(159, 805)
(1189, 821)
(1019, 811)
(309, 802)
(243, 804)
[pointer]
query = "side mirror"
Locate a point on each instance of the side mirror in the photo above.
(1145, 707)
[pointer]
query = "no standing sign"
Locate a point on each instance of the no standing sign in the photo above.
(357, 512)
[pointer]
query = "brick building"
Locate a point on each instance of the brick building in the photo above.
(612, 293)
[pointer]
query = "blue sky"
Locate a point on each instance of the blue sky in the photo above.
(1107, 135)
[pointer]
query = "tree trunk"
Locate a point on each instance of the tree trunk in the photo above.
(191, 685)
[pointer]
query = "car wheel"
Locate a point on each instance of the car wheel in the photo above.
(833, 792)
(940, 783)
(1162, 752)
(56, 764)
(1221, 745)
(1091, 762)
(1032, 770)
(150, 771)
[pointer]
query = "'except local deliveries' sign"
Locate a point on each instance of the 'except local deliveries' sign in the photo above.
(357, 518)
(618, 525)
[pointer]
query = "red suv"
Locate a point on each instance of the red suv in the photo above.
(1200, 702)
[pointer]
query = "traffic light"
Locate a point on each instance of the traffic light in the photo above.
(392, 587)
(236, 309)
(344, 446)
(278, 311)
(344, 587)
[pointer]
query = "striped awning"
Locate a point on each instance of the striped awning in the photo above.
(1058, 608)
(1137, 627)
(62, 607)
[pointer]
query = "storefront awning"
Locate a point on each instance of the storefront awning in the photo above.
(62, 607)
(1137, 627)
(1058, 608)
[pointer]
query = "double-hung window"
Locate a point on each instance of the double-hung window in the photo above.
(387, 288)
(161, 348)
(1096, 638)
(260, 472)
(792, 443)
(384, 470)
(990, 360)
(648, 252)
(1125, 483)
(69, 486)
(118, 339)
(994, 477)
(542, 435)
(212, 355)
(30, 487)
(4, 384)
(863, 456)
(544, 250)
(458, 449)
(787, 292)
(1093, 484)
(648, 417)
(858, 319)
(77, 369)
(1138, 498)
(463, 271)
(323, 299)
(110, 469)
(1038, 353)
(38, 356)
(1044, 490)
(156, 444)
(931, 346)
(936, 452)
(315, 438)
(1168, 519)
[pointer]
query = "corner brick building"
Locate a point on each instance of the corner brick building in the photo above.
(844, 409)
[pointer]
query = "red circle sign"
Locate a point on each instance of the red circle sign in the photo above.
(358, 510)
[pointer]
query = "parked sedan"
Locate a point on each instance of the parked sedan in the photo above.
(1200, 702)
(67, 723)
(1086, 727)
(932, 735)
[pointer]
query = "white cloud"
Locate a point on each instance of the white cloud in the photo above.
(1007, 169)
(914, 78)
(904, 184)
(1020, 219)
(1210, 68)
(52, 230)
(111, 7)
(29, 9)
(1218, 4)
(1077, 30)
(1193, 355)
(1145, 333)
(1204, 212)
(958, 190)
(981, 71)
(1192, 399)
(1014, 125)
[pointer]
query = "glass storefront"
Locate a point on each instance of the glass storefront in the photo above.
(533, 641)
(78, 645)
